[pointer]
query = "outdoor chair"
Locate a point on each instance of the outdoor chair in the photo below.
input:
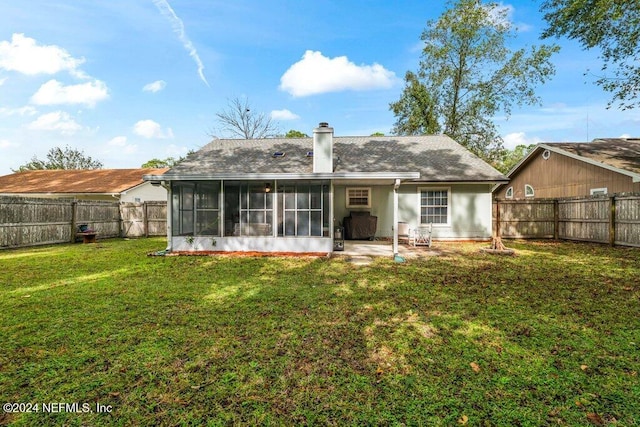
(421, 236)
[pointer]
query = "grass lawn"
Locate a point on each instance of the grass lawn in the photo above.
(548, 337)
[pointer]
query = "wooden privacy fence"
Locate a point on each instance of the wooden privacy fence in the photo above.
(34, 221)
(614, 220)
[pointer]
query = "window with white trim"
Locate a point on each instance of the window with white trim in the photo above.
(528, 191)
(359, 197)
(509, 193)
(434, 205)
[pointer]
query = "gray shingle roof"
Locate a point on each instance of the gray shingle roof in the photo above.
(621, 153)
(436, 157)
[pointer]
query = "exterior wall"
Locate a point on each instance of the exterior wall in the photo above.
(144, 193)
(562, 176)
(253, 244)
(469, 205)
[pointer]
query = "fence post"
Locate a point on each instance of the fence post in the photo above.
(74, 214)
(497, 218)
(612, 221)
(556, 219)
(145, 219)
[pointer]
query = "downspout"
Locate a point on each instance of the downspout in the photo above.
(395, 218)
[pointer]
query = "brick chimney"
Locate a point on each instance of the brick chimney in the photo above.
(323, 148)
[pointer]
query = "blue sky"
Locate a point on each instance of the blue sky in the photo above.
(127, 81)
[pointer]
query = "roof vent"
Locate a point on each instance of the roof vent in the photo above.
(323, 125)
(279, 154)
(309, 153)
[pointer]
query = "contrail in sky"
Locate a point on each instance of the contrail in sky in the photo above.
(178, 28)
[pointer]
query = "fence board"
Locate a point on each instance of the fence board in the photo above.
(591, 219)
(33, 221)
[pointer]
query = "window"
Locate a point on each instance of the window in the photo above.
(248, 208)
(303, 209)
(434, 206)
(598, 191)
(509, 193)
(528, 191)
(207, 209)
(195, 209)
(359, 197)
(546, 154)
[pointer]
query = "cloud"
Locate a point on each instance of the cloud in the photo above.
(53, 93)
(150, 129)
(283, 115)
(316, 74)
(514, 139)
(154, 87)
(22, 111)
(5, 144)
(56, 121)
(24, 55)
(118, 141)
(178, 28)
(502, 15)
(2, 81)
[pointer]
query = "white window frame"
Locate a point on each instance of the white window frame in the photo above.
(509, 193)
(526, 191)
(598, 191)
(349, 197)
(448, 190)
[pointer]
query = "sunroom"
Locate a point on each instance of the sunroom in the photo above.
(251, 215)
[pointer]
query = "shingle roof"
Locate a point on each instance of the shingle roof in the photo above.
(621, 153)
(436, 157)
(98, 181)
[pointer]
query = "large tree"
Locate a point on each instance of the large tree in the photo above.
(240, 120)
(468, 74)
(613, 26)
(62, 158)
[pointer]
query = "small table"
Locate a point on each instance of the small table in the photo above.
(88, 236)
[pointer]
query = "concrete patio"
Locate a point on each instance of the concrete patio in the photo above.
(363, 251)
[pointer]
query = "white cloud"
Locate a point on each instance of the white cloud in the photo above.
(178, 28)
(118, 141)
(502, 15)
(56, 121)
(514, 139)
(2, 81)
(24, 55)
(150, 129)
(315, 74)
(22, 111)
(53, 93)
(154, 87)
(175, 151)
(283, 115)
(5, 144)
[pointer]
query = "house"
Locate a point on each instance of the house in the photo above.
(289, 195)
(122, 185)
(553, 170)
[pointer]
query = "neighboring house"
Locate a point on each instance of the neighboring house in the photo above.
(289, 195)
(122, 185)
(551, 170)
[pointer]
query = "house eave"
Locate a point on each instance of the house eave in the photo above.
(284, 176)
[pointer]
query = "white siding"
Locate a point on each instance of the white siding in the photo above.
(145, 193)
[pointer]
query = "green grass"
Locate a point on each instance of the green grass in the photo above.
(548, 337)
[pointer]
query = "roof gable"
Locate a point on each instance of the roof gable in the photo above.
(620, 155)
(96, 181)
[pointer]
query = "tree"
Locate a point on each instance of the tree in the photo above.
(377, 134)
(62, 158)
(240, 120)
(416, 110)
(169, 162)
(296, 134)
(613, 26)
(468, 74)
(510, 158)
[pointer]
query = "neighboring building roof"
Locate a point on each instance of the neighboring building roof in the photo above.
(437, 158)
(621, 155)
(97, 181)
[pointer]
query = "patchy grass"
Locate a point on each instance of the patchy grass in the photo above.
(550, 336)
